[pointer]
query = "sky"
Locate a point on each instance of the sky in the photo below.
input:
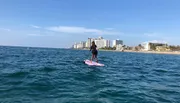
(60, 23)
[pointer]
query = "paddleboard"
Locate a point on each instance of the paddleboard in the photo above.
(88, 62)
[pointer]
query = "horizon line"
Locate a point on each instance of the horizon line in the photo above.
(33, 46)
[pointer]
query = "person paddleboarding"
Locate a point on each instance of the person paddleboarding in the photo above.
(93, 48)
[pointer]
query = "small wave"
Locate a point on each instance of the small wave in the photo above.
(47, 69)
(18, 74)
(159, 70)
(60, 76)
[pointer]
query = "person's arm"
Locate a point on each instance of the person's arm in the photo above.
(96, 47)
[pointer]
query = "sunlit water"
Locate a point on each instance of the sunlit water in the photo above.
(43, 75)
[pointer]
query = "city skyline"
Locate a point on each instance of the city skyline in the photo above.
(61, 23)
(99, 41)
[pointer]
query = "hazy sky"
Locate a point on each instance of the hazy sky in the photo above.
(60, 23)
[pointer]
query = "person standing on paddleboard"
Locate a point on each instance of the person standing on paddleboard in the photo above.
(94, 51)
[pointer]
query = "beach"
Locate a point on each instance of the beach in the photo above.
(154, 52)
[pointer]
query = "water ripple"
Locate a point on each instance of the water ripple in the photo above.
(44, 75)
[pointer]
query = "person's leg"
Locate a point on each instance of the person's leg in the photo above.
(96, 56)
(92, 58)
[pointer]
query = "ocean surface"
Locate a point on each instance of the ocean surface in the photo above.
(45, 75)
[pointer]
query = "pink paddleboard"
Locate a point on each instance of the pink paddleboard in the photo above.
(88, 62)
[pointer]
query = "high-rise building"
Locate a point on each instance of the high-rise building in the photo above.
(107, 44)
(81, 45)
(89, 41)
(117, 42)
(100, 42)
(75, 45)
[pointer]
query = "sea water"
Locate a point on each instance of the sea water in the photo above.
(45, 75)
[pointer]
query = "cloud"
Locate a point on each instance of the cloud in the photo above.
(5, 29)
(35, 26)
(162, 38)
(109, 28)
(81, 30)
(159, 36)
(151, 34)
(34, 35)
(41, 34)
(158, 41)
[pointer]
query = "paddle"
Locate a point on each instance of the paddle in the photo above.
(88, 55)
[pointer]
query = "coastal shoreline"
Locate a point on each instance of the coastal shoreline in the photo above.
(155, 52)
(148, 52)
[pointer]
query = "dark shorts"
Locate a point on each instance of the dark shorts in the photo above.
(95, 52)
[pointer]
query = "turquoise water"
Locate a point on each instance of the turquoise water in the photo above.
(44, 75)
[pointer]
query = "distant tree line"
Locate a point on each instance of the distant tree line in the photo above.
(174, 48)
(171, 47)
(108, 48)
(140, 47)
